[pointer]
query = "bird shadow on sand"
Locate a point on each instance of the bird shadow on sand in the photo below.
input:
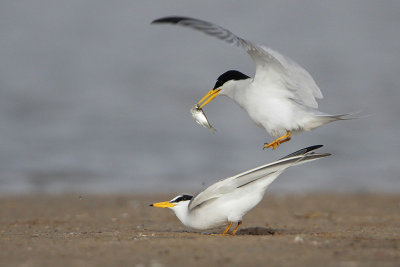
(250, 231)
(259, 231)
(264, 231)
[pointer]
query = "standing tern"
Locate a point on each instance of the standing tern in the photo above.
(281, 98)
(227, 201)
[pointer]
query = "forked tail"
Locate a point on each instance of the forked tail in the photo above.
(322, 119)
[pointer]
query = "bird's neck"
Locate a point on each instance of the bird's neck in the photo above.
(236, 90)
(182, 212)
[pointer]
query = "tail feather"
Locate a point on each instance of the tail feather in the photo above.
(322, 119)
(341, 117)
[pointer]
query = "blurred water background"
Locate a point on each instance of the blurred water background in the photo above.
(94, 99)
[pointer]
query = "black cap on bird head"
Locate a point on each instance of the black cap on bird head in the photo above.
(230, 75)
(181, 198)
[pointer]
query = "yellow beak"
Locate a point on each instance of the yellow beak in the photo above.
(165, 204)
(209, 97)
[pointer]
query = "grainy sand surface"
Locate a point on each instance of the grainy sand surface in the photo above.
(284, 230)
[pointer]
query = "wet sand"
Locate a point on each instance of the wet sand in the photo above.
(284, 230)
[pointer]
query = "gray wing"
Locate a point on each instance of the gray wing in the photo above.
(273, 169)
(296, 79)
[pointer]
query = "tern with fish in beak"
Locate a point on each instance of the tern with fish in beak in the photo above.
(281, 98)
(228, 200)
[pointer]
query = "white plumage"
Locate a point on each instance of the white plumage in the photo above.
(228, 200)
(281, 98)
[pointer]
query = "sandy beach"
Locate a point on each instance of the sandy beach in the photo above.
(122, 230)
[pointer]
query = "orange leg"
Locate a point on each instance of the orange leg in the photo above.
(227, 229)
(279, 141)
(237, 228)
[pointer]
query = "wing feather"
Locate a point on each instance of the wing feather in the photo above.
(227, 185)
(296, 79)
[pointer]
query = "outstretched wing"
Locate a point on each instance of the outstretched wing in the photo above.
(296, 79)
(272, 170)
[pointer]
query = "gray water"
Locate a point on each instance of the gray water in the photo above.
(95, 99)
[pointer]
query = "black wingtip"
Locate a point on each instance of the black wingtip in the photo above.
(303, 151)
(311, 148)
(172, 20)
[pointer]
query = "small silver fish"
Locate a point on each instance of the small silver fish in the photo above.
(200, 117)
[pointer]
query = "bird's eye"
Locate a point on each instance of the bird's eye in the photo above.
(177, 200)
(186, 197)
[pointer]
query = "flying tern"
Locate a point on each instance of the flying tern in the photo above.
(281, 98)
(228, 200)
